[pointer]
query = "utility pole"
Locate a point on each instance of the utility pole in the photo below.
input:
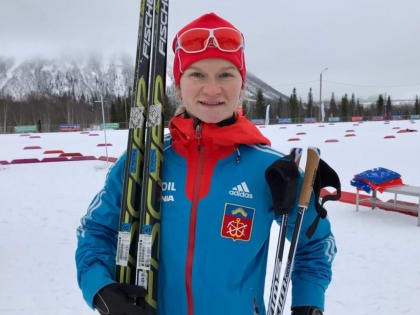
(104, 127)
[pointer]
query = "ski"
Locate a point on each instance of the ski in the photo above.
(137, 260)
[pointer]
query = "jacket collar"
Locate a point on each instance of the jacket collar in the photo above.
(242, 131)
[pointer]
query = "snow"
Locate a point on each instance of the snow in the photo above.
(376, 270)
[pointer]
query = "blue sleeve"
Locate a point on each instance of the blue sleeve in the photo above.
(312, 266)
(97, 236)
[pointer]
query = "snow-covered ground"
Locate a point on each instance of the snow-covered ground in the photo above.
(376, 270)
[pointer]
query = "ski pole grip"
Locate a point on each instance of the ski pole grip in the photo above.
(311, 167)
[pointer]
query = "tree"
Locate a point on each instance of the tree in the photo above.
(310, 103)
(113, 113)
(417, 106)
(388, 108)
(3, 112)
(293, 106)
(380, 105)
(260, 105)
(245, 107)
(359, 108)
(333, 106)
(301, 110)
(344, 107)
(280, 110)
(352, 106)
(168, 109)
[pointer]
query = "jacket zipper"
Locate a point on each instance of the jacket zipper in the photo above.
(193, 222)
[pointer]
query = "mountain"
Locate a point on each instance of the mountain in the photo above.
(89, 78)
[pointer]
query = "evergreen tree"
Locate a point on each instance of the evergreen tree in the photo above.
(352, 107)
(344, 107)
(333, 106)
(168, 110)
(389, 108)
(280, 108)
(380, 105)
(117, 112)
(127, 110)
(113, 116)
(359, 108)
(245, 107)
(301, 110)
(309, 112)
(293, 106)
(260, 105)
(417, 106)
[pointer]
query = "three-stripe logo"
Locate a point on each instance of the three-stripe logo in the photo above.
(241, 190)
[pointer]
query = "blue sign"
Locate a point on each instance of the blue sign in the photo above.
(284, 120)
(70, 127)
(258, 121)
(310, 119)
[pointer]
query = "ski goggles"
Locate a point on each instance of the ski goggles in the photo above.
(197, 40)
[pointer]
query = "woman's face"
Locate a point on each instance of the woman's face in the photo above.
(210, 89)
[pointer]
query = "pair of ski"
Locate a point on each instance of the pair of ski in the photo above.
(276, 303)
(137, 260)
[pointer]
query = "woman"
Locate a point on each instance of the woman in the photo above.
(215, 226)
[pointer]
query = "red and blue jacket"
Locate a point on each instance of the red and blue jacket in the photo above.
(215, 226)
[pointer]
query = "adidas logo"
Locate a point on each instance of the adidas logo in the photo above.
(241, 190)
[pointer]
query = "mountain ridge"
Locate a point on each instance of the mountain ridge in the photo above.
(90, 77)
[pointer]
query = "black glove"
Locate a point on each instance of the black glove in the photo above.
(282, 177)
(119, 299)
(306, 310)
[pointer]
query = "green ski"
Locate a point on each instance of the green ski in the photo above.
(137, 260)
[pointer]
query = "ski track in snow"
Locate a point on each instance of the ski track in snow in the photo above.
(376, 269)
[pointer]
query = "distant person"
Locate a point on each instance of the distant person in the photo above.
(211, 262)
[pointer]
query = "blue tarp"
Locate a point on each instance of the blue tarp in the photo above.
(361, 185)
(377, 175)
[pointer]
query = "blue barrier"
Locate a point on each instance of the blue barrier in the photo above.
(284, 120)
(309, 120)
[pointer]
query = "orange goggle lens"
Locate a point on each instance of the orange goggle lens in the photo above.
(197, 39)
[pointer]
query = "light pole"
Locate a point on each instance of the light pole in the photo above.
(320, 92)
(104, 127)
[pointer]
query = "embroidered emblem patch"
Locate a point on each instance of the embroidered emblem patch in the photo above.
(237, 222)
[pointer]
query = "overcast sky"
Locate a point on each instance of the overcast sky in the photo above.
(369, 46)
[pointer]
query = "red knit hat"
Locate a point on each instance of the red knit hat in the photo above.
(183, 59)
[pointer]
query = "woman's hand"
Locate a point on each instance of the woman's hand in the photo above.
(119, 299)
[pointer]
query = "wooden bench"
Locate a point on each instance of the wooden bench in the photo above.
(399, 190)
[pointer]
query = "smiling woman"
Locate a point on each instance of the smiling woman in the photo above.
(217, 208)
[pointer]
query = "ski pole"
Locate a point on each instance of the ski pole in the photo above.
(296, 154)
(311, 167)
